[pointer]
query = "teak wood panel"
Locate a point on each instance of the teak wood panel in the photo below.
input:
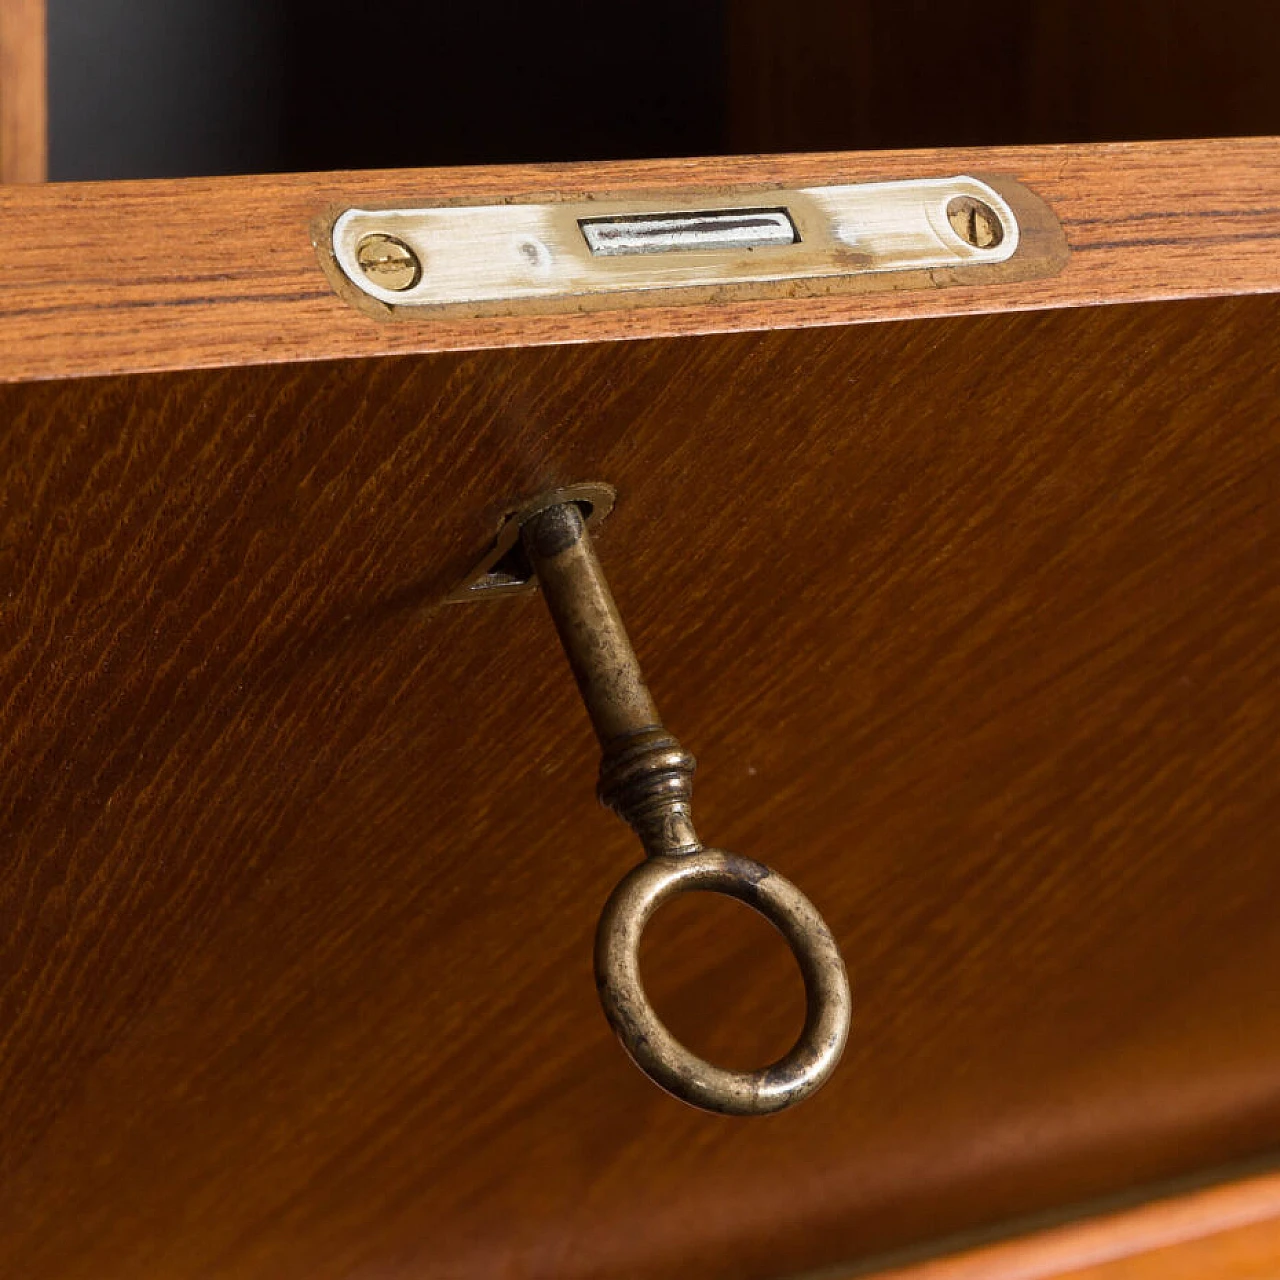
(1247, 1253)
(114, 277)
(24, 111)
(1227, 1231)
(972, 624)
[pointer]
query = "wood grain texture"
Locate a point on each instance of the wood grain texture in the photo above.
(24, 108)
(971, 623)
(1247, 1253)
(1226, 1232)
(120, 277)
(825, 75)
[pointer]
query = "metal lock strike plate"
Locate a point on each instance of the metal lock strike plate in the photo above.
(546, 255)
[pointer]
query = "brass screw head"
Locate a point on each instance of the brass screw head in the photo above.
(975, 222)
(389, 263)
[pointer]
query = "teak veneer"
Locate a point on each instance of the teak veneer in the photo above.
(970, 617)
(126, 277)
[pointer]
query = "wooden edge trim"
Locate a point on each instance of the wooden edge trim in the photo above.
(24, 106)
(119, 277)
(1093, 1242)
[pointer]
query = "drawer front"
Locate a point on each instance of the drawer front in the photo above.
(972, 625)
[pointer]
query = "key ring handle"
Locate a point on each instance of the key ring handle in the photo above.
(655, 1050)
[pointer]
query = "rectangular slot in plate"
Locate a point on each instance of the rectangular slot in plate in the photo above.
(612, 236)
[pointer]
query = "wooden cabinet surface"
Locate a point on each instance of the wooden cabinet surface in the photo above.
(970, 615)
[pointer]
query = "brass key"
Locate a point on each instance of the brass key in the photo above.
(646, 777)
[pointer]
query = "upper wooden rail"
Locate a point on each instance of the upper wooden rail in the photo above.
(134, 276)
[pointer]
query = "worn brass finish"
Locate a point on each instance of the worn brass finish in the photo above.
(389, 262)
(504, 570)
(646, 777)
(655, 1049)
(975, 222)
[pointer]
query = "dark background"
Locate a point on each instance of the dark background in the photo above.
(168, 88)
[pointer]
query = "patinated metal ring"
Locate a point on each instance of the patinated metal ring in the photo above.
(655, 1050)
